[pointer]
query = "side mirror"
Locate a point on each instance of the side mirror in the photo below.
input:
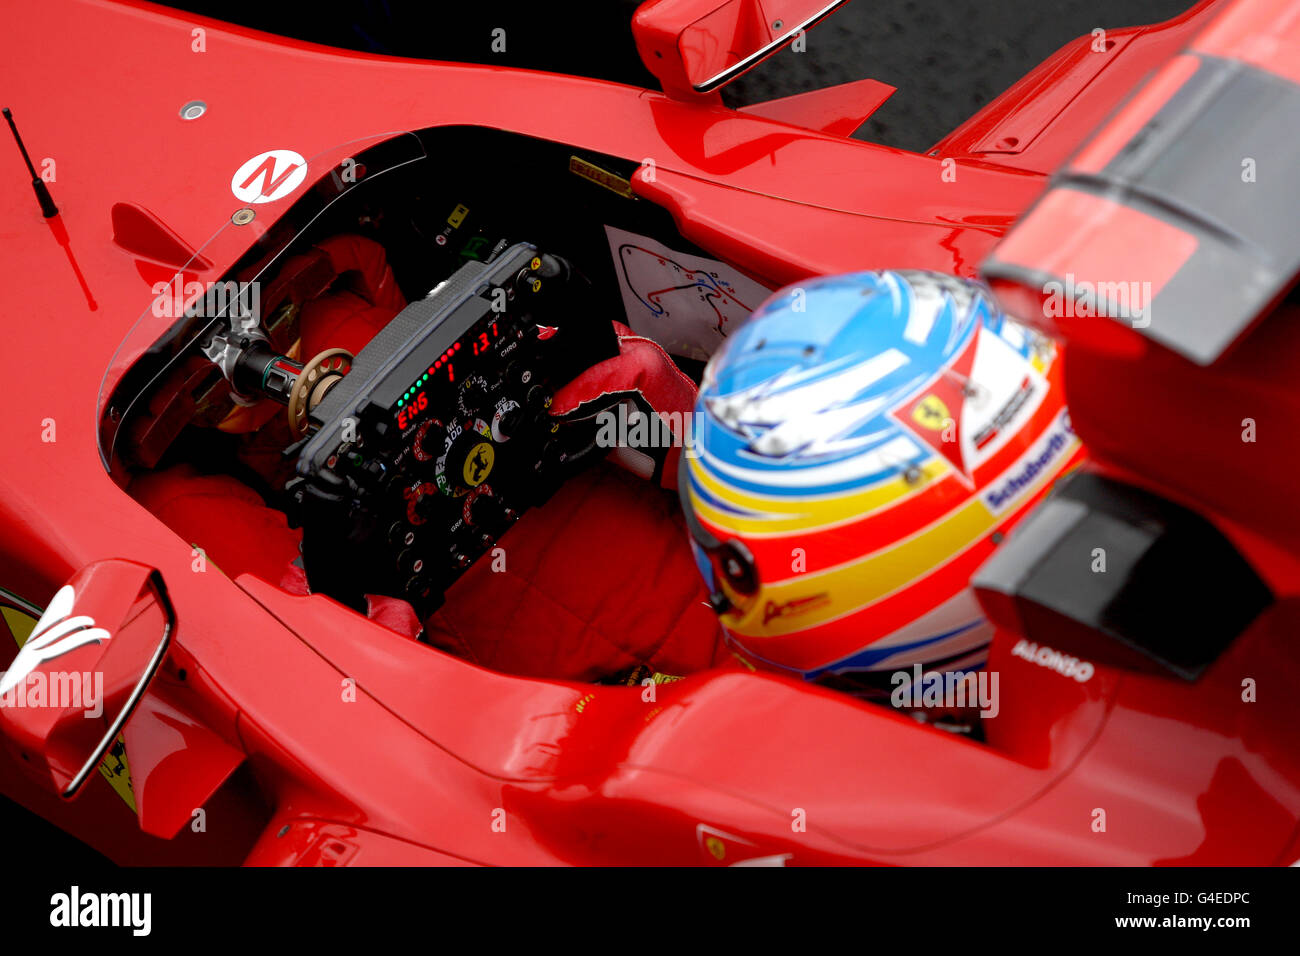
(695, 47)
(82, 670)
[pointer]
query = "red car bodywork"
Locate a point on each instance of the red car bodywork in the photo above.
(436, 761)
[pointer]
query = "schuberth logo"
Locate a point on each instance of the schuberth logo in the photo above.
(1040, 458)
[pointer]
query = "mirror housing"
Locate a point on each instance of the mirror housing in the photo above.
(83, 669)
(695, 47)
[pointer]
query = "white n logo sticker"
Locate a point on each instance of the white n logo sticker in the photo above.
(269, 176)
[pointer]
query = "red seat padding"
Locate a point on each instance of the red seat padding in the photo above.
(348, 317)
(224, 517)
(340, 320)
(598, 579)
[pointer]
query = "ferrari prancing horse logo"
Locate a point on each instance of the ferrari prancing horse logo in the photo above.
(930, 413)
(478, 464)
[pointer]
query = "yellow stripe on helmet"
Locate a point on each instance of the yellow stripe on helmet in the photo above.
(785, 514)
(852, 586)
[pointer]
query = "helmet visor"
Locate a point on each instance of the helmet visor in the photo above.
(732, 576)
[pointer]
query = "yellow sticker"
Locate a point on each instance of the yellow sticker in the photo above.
(457, 216)
(20, 623)
(601, 177)
(930, 413)
(479, 464)
(113, 767)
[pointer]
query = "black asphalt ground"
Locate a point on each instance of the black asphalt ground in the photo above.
(948, 58)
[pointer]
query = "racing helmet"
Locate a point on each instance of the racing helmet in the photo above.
(859, 447)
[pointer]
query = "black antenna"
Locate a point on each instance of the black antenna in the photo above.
(48, 209)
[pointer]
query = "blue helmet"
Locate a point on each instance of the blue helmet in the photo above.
(857, 443)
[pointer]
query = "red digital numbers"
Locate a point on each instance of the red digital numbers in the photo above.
(481, 343)
(484, 341)
(407, 415)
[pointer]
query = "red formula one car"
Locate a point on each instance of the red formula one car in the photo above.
(289, 335)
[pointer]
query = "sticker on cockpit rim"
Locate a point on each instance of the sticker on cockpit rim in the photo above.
(601, 177)
(269, 176)
(686, 303)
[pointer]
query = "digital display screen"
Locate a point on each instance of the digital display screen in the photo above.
(410, 410)
(415, 399)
